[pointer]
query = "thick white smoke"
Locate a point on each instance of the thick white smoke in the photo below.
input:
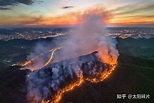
(91, 36)
(88, 37)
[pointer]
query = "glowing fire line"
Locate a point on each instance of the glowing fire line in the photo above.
(32, 59)
(51, 56)
(81, 80)
(70, 87)
(28, 62)
(58, 96)
(104, 75)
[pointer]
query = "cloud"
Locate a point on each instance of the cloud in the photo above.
(137, 20)
(31, 20)
(5, 8)
(14, 2)
(76, 17)
(67, 7)
(70, 18)
(133, 14)
(134, 8)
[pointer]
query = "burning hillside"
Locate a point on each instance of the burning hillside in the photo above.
(52, 81)
(75, 63)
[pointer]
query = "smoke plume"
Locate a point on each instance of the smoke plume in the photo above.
(91, 36)
(86, 38)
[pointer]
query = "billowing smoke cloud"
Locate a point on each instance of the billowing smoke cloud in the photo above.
(88, 37)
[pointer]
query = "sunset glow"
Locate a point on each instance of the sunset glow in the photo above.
(62, 12)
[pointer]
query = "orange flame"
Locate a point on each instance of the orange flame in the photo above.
(104, 75)
(28, 62)
(112, 61)
(51, 56)
(109, 58)
(60, 93)
(48, 101)
(32, 59)
(70, 87)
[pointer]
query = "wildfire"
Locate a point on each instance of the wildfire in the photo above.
(79, 82)
(58, 96)
(32, 59)
(92, 72)
(48, 101)
(60, 93)
(28, 62)
(104, 75)
(70, 87)
(51, 56)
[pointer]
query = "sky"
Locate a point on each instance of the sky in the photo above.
(70, 12)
